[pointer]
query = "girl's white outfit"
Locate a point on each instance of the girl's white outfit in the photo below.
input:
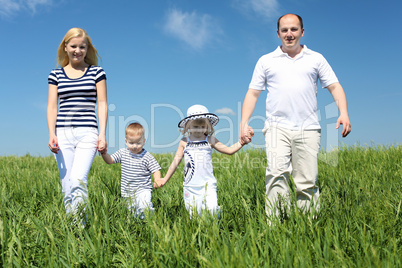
(199, 186)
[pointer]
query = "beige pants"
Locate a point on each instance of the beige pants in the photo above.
(291, 152)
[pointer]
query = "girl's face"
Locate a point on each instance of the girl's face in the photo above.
(135, 143)
(198, 129)
(76, 50)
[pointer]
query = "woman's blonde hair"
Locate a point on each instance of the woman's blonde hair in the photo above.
(92, 54)
(210, 128)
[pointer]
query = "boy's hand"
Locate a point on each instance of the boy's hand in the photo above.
(159, 183)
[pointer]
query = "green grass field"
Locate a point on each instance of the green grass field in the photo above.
(359, 224)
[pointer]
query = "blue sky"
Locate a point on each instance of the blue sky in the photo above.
(161, 57)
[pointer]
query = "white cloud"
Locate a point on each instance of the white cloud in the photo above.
(33, 3)
(196, 30)
(267, 9)
(225, 111)
(7, 7)
(10, 7)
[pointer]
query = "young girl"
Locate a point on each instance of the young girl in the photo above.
(79, 84)
(199, 186)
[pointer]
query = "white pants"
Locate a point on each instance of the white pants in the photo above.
(74, 159)
(296, 153)
(140, 202)
(201, 198)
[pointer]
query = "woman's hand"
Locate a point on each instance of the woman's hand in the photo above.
(53, 144)
(102, 144)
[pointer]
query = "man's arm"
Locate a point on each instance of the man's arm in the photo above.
(339, 96)
(250, 100)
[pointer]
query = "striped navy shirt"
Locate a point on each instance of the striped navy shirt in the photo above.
(77, 97)
(136, 170)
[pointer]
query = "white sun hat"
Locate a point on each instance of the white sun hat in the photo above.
(199, 111)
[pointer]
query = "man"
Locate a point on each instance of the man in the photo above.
(292, 130)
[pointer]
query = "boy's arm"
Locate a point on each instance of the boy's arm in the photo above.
(107, 158)
(157, 175)
(157, 179)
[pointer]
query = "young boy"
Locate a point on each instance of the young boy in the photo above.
(136, 168)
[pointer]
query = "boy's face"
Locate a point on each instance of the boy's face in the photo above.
(135, 143)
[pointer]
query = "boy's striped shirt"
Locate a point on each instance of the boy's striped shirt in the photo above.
(136, 170)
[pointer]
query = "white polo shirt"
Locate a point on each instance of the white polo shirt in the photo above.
(291, 85)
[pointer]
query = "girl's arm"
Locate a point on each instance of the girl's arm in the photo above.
(52, 107)
(176, 161)
(222, 148)
(102, 114)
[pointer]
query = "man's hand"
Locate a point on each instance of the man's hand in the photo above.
(345, 122)
(246, 135)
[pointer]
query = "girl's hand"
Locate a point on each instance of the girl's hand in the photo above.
(53, 144)
(159, 183)
(102, 144)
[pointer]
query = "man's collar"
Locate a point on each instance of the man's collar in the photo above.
(278, 51)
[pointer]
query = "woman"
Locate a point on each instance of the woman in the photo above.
(73, 130)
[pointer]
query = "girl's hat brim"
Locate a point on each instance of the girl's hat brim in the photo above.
(213, 119)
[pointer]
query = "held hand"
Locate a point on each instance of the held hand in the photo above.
(102, 144)
(246, 135)
(345, 122)
(250, 132)
(53, 144)
(159, 183)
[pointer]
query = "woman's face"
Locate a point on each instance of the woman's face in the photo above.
(76, 50)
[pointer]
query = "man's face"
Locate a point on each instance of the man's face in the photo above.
(290, 32)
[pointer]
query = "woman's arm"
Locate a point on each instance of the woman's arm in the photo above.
(101, 90)
(52, 108)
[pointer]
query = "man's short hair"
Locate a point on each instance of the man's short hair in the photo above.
(300, 20)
